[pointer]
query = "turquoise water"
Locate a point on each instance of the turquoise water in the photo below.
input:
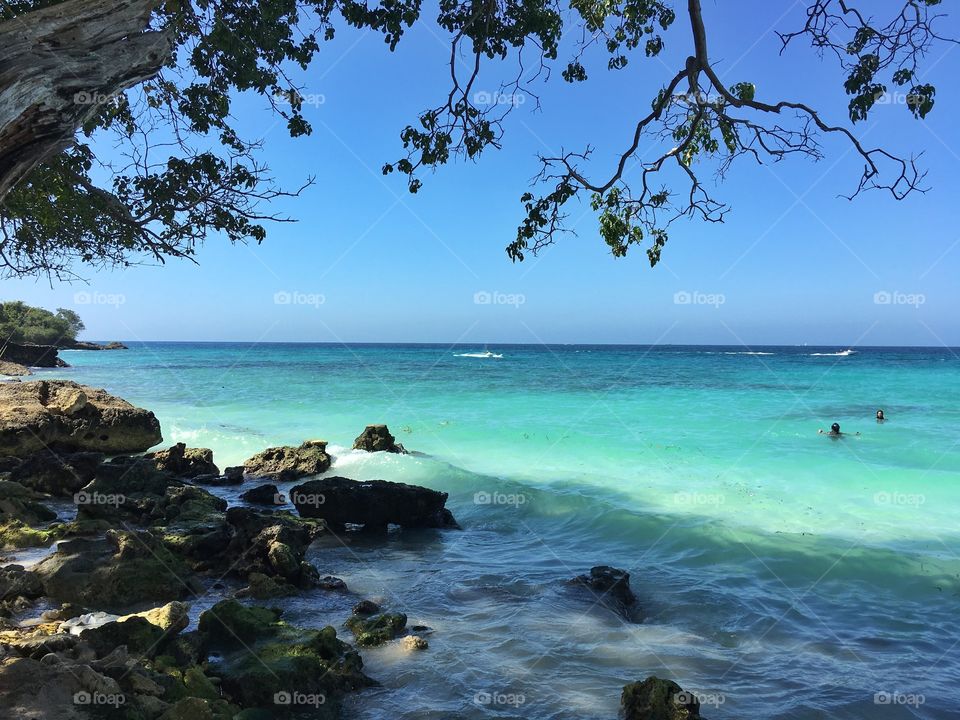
(781, 573)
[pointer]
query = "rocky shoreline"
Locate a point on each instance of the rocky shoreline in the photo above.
(101, 626)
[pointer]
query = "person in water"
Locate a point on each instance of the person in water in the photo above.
(834, 431)
(880, 417)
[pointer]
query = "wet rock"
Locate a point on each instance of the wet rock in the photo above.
(230, 624)
(372, 503)
(139, 636)
(329, 582)
(63, 415)
(272, 544)
(414, 642)
(378, 629)
(657, 699)
(366, 607)
(20, 503)
(264, 495)
(113, 573)
(58, 474)
(263, 587)
(290, 463)
(184, 462)
(16, 581)
(609, 586)
(377, 438)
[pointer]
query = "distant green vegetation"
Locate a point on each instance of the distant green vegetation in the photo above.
(22, 323)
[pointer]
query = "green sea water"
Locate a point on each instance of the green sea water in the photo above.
(780, 573)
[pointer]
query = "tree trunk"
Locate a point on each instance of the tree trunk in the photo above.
(58, 64)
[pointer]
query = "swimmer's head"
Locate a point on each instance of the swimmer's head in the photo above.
(835, 428)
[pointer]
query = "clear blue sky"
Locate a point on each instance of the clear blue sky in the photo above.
(794, 263)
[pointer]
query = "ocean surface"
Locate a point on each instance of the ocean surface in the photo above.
(780, 573)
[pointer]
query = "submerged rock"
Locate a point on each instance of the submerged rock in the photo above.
(372, 503)
(290, 463)
(66, 416)
(377, 438)
(657, 699)
(184, 462)
(611, 587)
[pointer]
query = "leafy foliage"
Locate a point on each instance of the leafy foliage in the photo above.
(186, 171)
(22, 323)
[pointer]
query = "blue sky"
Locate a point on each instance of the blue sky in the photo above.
(793, 264)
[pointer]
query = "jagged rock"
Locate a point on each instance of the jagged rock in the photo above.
(366, 607)
(372, 503)
(378, 629)
(184, 462)
(290, 463)
(264, 495)
(377, 438)
(611, 587)
(20, 503)
(414, 642)
(13, 369)
(262, 587)
(65, 416)
(58, 474)
(657, 699)
(16, 581)
(114, 573)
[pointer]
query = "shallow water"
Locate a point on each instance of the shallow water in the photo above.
(780, 573)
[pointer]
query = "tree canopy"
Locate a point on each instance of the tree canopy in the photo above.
(22, 323)
(186, 172)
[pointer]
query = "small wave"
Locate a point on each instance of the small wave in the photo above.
(478, 355)
(745, 352)
(842, 353)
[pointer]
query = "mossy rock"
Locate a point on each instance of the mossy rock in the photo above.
(657, 699)
(230, 623)
(193, 708)
(377, 629)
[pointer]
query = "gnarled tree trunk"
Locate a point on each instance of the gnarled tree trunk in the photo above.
(58, 64)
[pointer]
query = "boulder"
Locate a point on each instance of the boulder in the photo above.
(264, 495)
(58, 474)
(22, 504)
(414, 642)
(609, 586)
(123, 569)
(16, 581)
(30, 355)
(184, 462)
(65, 416)
(657, 699)
(377, 438)
(371, 503)
(290, 463)
(366, 607)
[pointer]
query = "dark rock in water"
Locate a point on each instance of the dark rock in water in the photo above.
(15, 581)
(378, 629)
(138, 634)
(234, 474)
(231, 624)
(264, 495)
(610, 586)
(366, 607)
(184, 462)
(65, 416)
(377, 438)
(372, 503)
(30, 355)
(114, 573)
(60, 475)
(82, 345)
(329, 582)
(290, 463)
(262, 587)
(656, 699)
